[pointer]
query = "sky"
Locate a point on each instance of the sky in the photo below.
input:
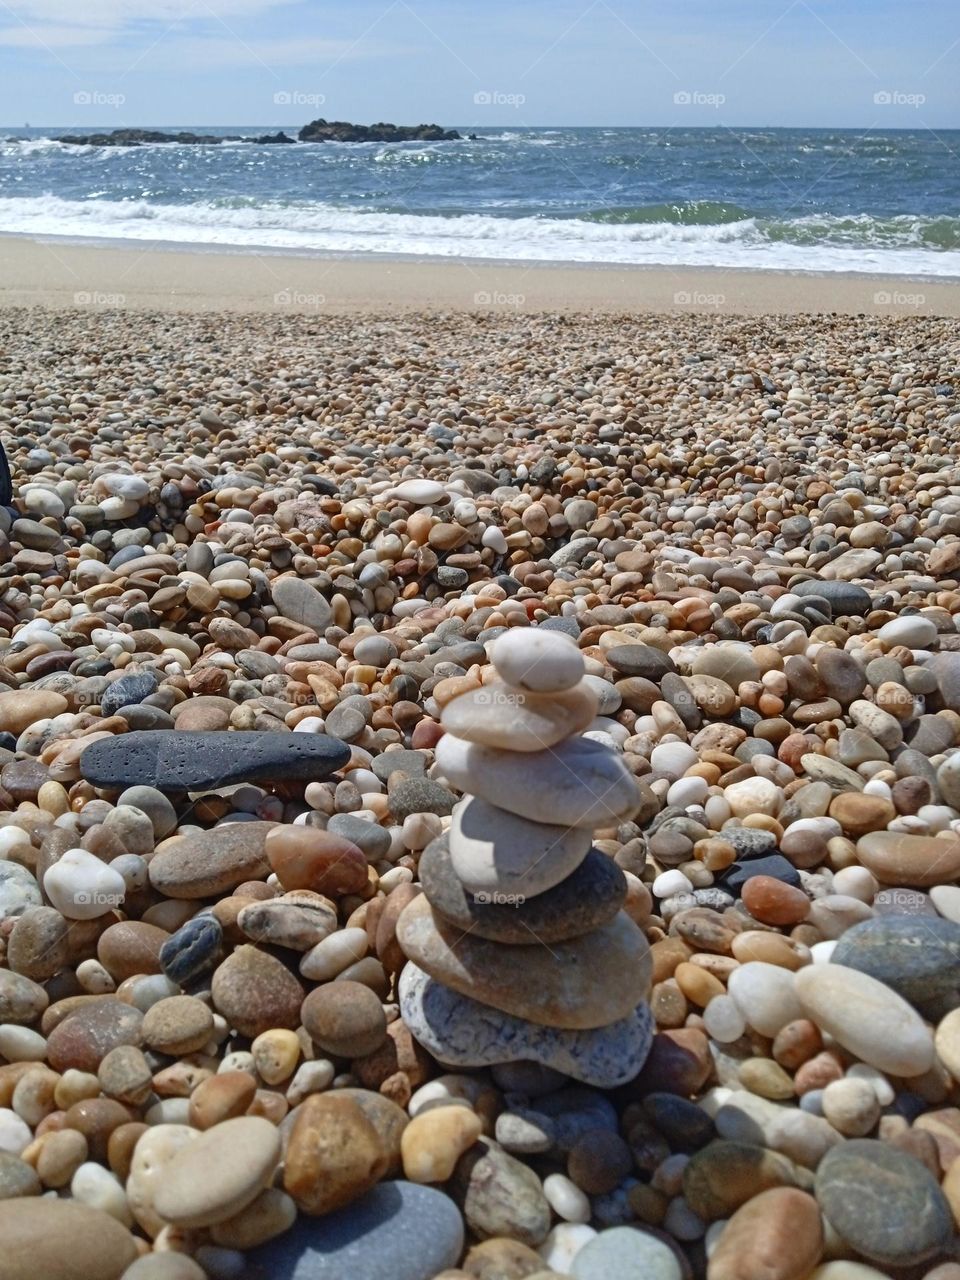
(830, 63)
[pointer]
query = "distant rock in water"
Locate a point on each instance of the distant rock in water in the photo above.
(341, 131)
(316, 131)
(136, 137)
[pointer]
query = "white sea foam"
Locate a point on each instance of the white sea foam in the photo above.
(325, 229)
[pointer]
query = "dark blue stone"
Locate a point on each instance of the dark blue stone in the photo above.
(128, 691)
(192, 950)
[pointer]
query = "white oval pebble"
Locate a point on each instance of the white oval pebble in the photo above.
(82, 887)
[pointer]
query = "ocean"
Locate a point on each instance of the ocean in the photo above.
(790, 199)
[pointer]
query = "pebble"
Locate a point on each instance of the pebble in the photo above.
(82, 887)
(538, 661)
(171, 761)
(867, 1018)
(255, 992)
(203, 864)
(333, 1154)
(917, 958)
(219, 1173)
(577, 784)
(464, 1033)
(493, 851)
(777, 1234)
(397, 1231)
(62, 1238)
(910, 1222)
(580, 984)
(623, 1251)
(500, 1196)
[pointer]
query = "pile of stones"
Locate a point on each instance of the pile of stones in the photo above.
(519, 946)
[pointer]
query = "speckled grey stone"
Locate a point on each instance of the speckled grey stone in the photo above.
(374, 840)
(184, 761)
(461, 1032)
(411, 763)
(19, 890)
(918, 957)
(397, 1231)
(420, 795)
(883, 1202)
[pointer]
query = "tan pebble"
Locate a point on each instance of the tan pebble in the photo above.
(73, 1086)
(333, 1154)
(699, 986)
(60, 1155)
(44, 1236)
(767, 1078)
(769, 948)
(272, 1213)
(276, 1054)
(153, 1152)
(851, 1106)
(221, 1097)
(218, 1174)
(178, 1024)
(777, 1235)
(501, 1259)
(434, 1141)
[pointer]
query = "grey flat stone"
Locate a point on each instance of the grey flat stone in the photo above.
(844, 598)
(460, 1032)
(587, 899)
(301, 602)
(172, 760)
(397, 1231)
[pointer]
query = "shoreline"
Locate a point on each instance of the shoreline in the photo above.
(157, 276)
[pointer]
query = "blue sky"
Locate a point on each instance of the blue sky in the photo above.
(854, 63)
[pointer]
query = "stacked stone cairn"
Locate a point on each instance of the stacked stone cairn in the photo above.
(519, 949)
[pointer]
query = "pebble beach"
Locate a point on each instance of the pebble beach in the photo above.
(479, 796)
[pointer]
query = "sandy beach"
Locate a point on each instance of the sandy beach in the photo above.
(54, 273)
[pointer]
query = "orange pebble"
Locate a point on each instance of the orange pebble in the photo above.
(772, 902)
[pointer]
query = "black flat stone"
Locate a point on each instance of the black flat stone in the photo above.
(587, 899)
(177, 761)
(737, 875)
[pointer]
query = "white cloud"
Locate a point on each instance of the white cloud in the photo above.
(118, 14)
(225, 51)
(51, 37)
